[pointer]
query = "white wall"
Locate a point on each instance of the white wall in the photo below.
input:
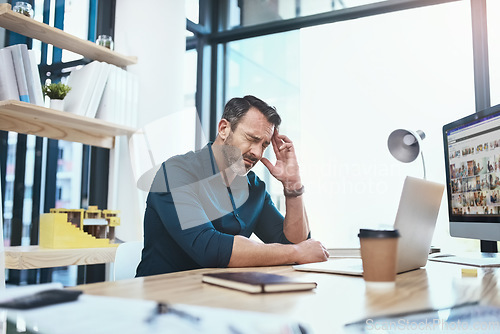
(154, 31)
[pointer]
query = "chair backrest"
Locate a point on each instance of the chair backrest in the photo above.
(127, 258)
(147, 147)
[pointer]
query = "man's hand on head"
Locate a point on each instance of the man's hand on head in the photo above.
(286, 168)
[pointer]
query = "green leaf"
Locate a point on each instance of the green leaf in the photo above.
(56, 91)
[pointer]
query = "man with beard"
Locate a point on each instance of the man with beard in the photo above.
(203, 206)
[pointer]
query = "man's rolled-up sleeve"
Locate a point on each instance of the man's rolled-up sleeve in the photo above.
(194, 233)
(269, 226)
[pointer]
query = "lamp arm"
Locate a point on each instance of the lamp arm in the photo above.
(423, 164)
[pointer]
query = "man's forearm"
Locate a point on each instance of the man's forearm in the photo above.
(249, 253)
(296, 225)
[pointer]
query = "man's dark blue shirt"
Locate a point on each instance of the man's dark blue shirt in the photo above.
(191, 216)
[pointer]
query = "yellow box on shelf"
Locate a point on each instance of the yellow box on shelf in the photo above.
(93, 212)
(75, 216)
(112, 217)
(114, 221)
(57, 232)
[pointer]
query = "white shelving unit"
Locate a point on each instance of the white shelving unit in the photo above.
(31, 119)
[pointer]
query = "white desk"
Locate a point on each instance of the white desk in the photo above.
(338, 299)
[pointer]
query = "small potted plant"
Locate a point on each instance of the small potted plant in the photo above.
(56, 92)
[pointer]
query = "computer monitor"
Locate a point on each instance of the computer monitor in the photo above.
(472, 158)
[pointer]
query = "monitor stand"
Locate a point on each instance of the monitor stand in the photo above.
(469, 259)
(488, 246)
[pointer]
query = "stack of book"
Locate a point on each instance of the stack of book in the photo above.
(103, 91)
(19, 75)
(98, 90)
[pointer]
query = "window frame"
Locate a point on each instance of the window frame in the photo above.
(215, 39)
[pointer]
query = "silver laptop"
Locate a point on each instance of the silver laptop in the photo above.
(416, 219)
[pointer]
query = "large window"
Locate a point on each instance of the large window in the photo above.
(252, 12)
(342, 88)
(190, 67)
(259, 67)
(494, 49)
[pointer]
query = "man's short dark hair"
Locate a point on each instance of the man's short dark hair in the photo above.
(237, 107)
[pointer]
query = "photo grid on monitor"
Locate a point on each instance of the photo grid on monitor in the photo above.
(473, 160)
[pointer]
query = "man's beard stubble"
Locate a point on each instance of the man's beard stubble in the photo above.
(234, 158)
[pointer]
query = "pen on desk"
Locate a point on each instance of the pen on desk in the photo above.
(159, 309)
(302, 329)
(164, 308)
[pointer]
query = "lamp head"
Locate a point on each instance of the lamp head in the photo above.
(404, 145)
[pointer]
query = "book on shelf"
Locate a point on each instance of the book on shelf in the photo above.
(26, 79)
(35, 83)
(8, 83)
(257, 282)
(135, 100)
(119, 102)
(28, 73)
(107, 106)
(121, 90)
(128, 99)
(98, 90)
(22, 84)
(131, 100)
(103, 91)
(82, 82)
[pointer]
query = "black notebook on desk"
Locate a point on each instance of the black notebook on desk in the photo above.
(257, 282)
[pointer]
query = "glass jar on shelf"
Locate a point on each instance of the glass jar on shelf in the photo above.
(23, 8)
(106, 41)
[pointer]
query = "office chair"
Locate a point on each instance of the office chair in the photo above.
(176, 133)
(127, 258)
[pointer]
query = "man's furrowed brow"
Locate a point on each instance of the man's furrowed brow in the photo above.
(254, 137)
(257, 138)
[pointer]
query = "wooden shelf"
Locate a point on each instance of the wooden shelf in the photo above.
(33, 257)
(31, 119)
(29, 27)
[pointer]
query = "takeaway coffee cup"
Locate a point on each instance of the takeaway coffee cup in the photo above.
(379, 255)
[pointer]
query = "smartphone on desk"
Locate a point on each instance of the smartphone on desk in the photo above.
(42, 298)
